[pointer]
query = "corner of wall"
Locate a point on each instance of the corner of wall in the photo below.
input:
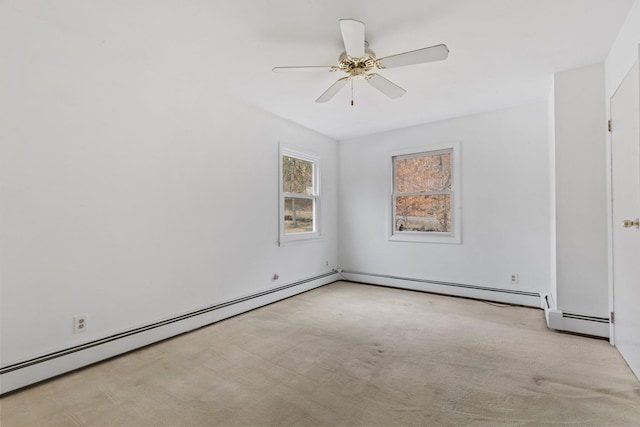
(551, 129)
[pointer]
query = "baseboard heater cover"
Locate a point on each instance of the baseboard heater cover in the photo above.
(512, 296)
(584, 317)
(580, 323)
(169, 327)
(573, 322)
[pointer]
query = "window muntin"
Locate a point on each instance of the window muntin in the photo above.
(422, 193)
(299, 196)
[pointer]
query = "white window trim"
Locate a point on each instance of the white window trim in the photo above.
(455, 236)
(286, 239)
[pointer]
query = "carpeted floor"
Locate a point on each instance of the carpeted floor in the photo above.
(349, 354)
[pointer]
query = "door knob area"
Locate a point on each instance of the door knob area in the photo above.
(628, 223)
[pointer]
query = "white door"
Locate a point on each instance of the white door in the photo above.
(625, 180)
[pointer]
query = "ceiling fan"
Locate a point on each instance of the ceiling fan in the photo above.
(358, 60)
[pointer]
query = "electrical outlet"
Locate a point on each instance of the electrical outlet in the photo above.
(326, 263)
(79, 323)
(275, 276)
(514, 278)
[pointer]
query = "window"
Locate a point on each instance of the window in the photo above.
(424, 196)
(299, 196)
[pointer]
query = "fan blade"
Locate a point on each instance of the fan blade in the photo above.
(385, 86)
(353, 37)
(333, 89)
(304, 68)
(420, 56)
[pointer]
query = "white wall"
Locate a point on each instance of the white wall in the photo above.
(624, 51)
(581, 195)
(126, 194)
(505, 202)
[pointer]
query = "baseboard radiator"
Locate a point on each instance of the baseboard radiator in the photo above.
(509, 296)
(573, 322)
(27, 372)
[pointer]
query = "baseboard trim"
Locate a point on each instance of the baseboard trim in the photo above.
(509, 296)
(573, 322)
(27, 372)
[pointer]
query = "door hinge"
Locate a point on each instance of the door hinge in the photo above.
(609, 125)
(613, 317)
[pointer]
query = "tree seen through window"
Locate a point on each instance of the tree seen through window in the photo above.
(422, 192)
(299, 195)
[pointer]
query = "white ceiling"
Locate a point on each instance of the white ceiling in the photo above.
(502, 52)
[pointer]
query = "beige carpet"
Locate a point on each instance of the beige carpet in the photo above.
(349, 354)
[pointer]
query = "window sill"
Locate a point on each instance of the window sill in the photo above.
(300, 239)
(443, 238)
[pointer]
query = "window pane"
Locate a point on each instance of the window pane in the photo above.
(297, 175)
(298, 215)
(423, 213)
(423, 173)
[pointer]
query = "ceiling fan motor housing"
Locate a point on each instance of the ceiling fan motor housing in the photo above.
(358, 67)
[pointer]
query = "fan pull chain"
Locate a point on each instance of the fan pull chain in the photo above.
(352, 92)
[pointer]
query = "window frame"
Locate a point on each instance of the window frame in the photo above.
(455, 235)
(315, 196)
